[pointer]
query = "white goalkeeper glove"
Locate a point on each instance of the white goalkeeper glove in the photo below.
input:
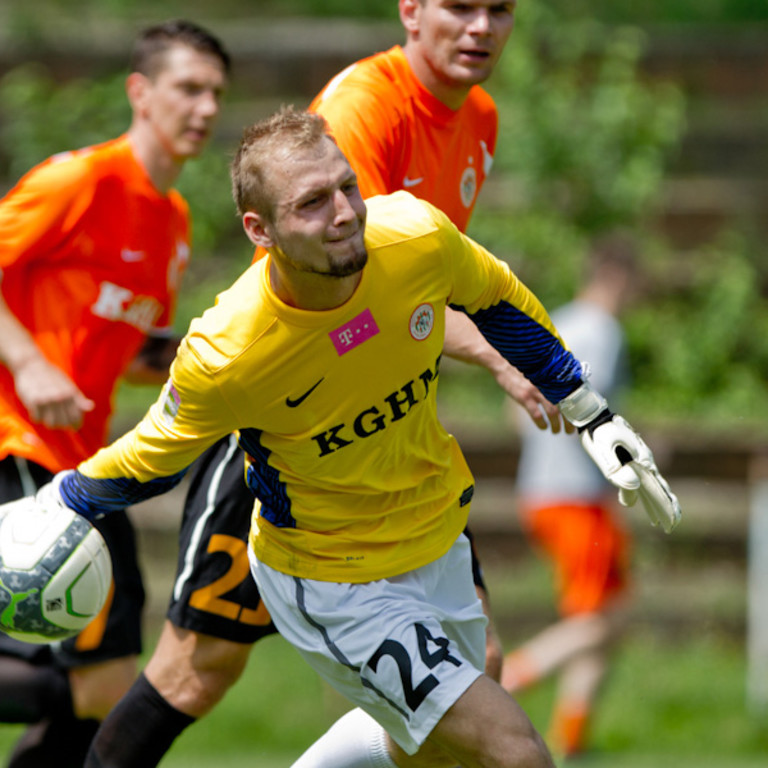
(621, 455)
(48, 496)
(9, 506)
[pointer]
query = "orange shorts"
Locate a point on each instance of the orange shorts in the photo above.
(590, 551)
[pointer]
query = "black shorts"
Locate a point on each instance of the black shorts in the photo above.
(214, 592)
(117, 631)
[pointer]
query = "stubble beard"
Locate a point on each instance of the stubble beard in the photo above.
(350, 266)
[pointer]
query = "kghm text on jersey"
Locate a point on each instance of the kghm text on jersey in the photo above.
(374, 419)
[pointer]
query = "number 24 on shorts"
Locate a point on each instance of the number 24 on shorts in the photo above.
(415, 693)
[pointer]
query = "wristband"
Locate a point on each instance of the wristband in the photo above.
(583, 405)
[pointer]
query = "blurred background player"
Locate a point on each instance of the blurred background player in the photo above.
(569, 512)
(412, 118)
(93, 244)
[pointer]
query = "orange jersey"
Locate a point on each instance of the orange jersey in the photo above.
(91, 257)
(397, 135)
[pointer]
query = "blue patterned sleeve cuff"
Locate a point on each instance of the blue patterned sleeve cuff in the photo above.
(93, 498)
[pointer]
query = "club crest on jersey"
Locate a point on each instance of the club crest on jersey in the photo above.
(422, 321)
(352, 334)
(170, 403)
(468, 186)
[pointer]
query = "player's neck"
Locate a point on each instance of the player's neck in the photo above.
(309, 291)
(452, 94)
(160, 164)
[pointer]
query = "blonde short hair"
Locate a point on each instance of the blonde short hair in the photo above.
(285, 131)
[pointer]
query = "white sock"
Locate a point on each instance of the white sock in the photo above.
(355, 740)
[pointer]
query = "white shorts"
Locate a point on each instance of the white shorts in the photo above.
(403, 649)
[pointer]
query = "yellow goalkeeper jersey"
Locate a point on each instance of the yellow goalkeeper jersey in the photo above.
(354, 476)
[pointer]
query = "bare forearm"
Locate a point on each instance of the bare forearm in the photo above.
(464, 342)
(17, 347)
(47, 392)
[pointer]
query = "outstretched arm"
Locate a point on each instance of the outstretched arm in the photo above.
(515, 323)
(464, 342)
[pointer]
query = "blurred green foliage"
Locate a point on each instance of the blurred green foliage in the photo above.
(584, 133)
(586, 143)
(711, 362)
(637, 11)
(584, 140)
(42, 116)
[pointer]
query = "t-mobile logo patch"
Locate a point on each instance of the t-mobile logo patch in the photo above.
(354, 333)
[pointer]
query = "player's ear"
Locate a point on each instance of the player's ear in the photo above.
(136, 88)
(409, 15)
(257, 229)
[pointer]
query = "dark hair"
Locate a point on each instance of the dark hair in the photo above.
(154, 42)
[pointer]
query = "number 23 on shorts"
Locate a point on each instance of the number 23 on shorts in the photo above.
(210, 597)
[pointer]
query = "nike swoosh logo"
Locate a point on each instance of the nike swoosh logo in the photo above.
(128, 255)
(412, 182)
(487, 158)
(299, 400)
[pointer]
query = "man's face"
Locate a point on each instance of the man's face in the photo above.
(182, 101)
(318, 220)
(460, 42)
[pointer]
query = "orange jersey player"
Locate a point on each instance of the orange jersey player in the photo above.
(567, 510)
(93, 243)
(91, 256)
(399, 134)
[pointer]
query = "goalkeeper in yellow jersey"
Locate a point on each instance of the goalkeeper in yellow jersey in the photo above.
(325, 358)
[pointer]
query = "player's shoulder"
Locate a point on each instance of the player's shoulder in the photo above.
(374, 79)
(72, 169)
(479, 112)
(481, 100)
(234, 323)
(91, 157)
(179, 203)
(401, 216)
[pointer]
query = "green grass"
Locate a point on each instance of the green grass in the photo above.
(276, 709)
(676, 697)
(273, 712)
(670, 702)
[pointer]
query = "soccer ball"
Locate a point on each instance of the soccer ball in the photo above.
(55, 571)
